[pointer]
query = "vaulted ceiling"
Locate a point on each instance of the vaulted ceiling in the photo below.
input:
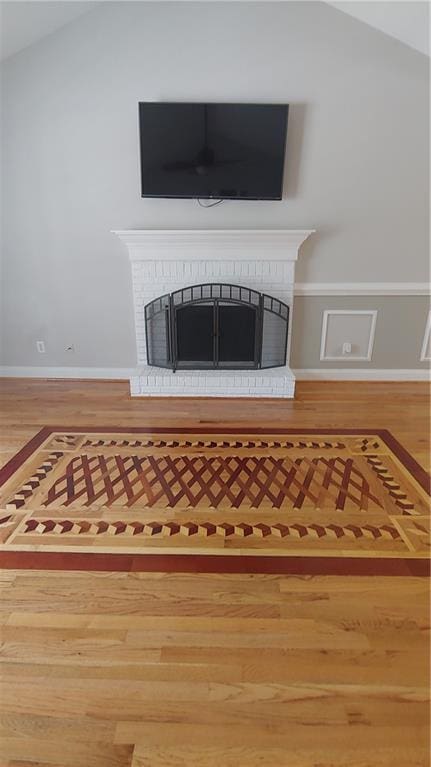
(406, 21)
(25, 23)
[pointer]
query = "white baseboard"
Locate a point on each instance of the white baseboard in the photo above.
(66, 372)
(362, 374)
(306, 374)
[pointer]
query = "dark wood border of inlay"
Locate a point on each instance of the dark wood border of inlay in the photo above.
(26, 452)
(210, 563)
(415, 469)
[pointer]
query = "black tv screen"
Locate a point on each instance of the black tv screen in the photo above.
(218, 151)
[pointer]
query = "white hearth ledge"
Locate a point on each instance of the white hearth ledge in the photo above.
(156, 382)
(166, 260)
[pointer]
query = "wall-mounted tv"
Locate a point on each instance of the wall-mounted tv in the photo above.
(212, 151)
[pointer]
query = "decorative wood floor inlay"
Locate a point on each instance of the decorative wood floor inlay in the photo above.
(306, 501)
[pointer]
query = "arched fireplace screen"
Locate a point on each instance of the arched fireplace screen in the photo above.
(216, 326)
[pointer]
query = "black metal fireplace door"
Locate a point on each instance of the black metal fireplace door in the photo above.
(216, 326)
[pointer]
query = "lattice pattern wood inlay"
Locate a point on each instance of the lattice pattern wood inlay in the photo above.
(291, 494)
(194, 481)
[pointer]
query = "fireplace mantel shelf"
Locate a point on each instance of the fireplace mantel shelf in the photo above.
(199, 244)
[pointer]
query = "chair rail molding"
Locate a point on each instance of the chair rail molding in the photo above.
(362, 289)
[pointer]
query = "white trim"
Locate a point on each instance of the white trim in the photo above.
(308, 374)
(66, 372)
(212, 244)
(362, 374)
(350, 358)
(362, 289)
(425, 342)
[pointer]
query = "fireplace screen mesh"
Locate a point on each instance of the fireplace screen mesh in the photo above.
(157, 316)
(216, 326)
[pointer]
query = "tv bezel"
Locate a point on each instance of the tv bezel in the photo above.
(251, 198)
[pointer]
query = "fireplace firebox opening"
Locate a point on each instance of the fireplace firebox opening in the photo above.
(216, 326)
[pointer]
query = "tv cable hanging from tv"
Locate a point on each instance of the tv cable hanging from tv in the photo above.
(209, 205)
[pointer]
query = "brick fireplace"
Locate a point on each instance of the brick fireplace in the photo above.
(166, 261)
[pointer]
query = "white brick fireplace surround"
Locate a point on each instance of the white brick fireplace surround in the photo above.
(166, 260)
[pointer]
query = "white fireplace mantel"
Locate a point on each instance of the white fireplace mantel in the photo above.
(166, 260)
(199, 244)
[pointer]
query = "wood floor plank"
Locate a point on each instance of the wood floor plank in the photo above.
(49, 751)
(290, 756)
(35, 726)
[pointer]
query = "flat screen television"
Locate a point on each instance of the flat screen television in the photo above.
(212, 151)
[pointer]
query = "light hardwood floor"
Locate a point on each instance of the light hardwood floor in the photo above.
(149, 669)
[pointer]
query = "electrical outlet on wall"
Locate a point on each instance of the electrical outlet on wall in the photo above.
(347, 347)
(40, 346)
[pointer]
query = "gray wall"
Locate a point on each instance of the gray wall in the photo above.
(356, 163)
